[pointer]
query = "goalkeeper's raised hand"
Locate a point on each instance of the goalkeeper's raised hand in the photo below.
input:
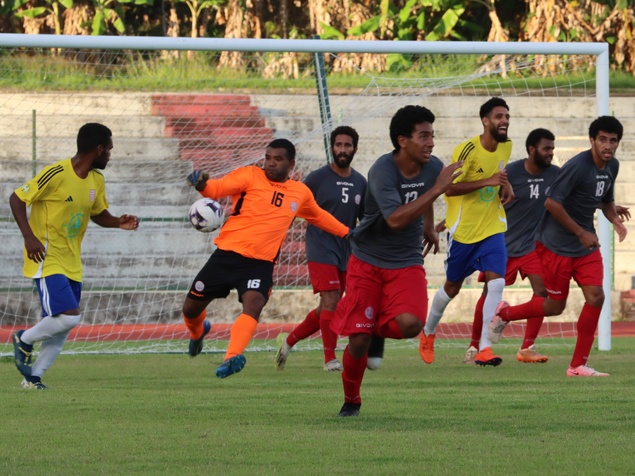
(198, 179)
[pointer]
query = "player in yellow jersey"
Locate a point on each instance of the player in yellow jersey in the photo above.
(477, 224)
(63, 197)
(265, 203)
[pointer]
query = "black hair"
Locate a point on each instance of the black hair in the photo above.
(405, 119)
(92, 135)
(536, 135)
(607, 124)
(487, 107)
(347, 131)
(283, 144)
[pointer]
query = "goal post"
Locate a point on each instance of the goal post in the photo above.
(160, 145)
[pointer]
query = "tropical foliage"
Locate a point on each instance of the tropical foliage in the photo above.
(612, 21)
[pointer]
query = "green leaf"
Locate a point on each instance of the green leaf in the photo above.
(397, 62)
(330, 33)
(406, 12)
(66, 3)
(18, 3)
(372, 24)
(31, 12)
(98, 24)
(446, 23)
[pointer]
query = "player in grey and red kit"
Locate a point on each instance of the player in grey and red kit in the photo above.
(568, 245)
(340, 190)
(386, 288)
(530, 178)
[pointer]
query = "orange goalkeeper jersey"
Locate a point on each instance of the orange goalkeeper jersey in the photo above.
(263, 211)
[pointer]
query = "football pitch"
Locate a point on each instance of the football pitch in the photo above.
(168, 414)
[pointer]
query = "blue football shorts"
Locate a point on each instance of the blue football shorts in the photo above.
(463, 259)
(58, 294)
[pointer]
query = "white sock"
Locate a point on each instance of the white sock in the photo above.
(494, 296)
(439, 303)
(50, 326)
(49, 351)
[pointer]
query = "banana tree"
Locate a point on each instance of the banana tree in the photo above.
(196, 8)
(50, 8)
(110, 13)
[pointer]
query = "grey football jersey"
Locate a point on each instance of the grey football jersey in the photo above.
(373, 241)
(580, 187)
(526, 210)
(342, 197)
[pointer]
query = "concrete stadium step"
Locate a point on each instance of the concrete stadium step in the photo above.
(60, 125)
(454, 129)
(78, 103)
(193, 124)
(442, 106)
(205, 111)
(195, 99)
(129, 172)
(53, 149)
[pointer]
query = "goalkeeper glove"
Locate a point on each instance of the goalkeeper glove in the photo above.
(198, 179)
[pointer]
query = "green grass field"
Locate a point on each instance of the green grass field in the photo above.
(168, 414)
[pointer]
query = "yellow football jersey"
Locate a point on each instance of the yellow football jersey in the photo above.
(61, 206)
(477, 215)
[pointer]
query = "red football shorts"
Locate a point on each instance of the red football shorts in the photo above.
(523, 265)
(376, 295)
(326, 277)
(558, 271)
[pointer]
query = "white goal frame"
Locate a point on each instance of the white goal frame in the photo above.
(598, 50)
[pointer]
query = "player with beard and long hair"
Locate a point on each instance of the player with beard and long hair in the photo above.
(531, 179)
(567, 244)
(63, 198)
(340, 190)
(477, 224)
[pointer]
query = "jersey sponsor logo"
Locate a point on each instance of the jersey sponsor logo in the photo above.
(199, 286)
(487, 194)
(25, 188)
(347, 184)
(69, 199)
(92, 194)
(196, 294)
(532, 180)
(365, 325)
(369, 313)
(551, 291)
(413, 185)
(73, 225)
(334, 281)
(480, 170)
(278, 185)
(601, 177)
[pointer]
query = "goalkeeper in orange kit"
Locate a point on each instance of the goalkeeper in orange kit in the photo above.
(265, 202)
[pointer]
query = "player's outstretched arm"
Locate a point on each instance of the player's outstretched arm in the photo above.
(125, 222)
(499, 179)
(198, 179)
(405, 214)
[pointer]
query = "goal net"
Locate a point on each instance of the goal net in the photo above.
(172, 111)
